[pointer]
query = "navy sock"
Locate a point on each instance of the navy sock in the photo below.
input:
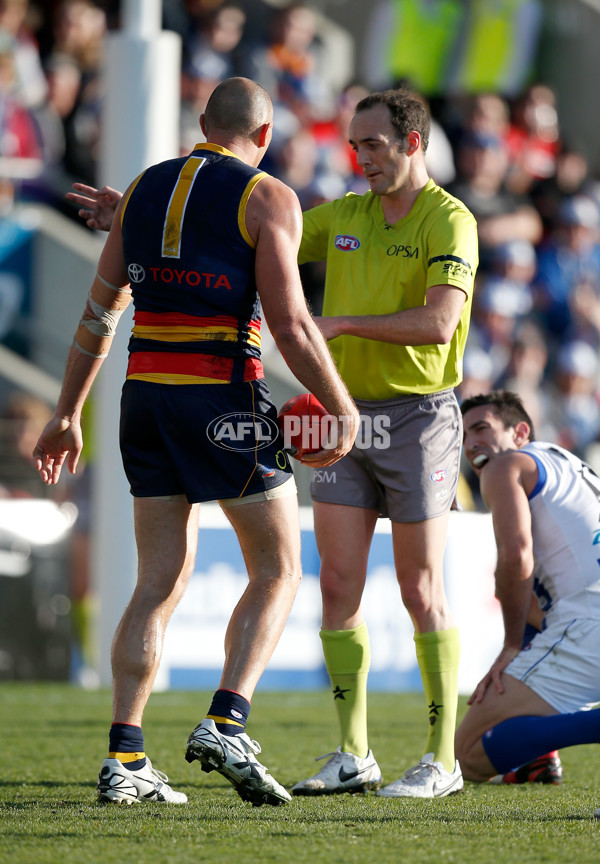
(230, 712)
(519, 740)
(126, 743)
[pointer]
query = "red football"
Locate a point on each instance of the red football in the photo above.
(300, 420)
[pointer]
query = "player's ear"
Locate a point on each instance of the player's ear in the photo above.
(413, 140)
(522, 433)
(203, 124)
(264, 134)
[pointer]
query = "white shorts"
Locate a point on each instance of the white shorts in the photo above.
(562, 665)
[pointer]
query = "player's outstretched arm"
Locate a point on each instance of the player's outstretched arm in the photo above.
(274, 221)
(61, 439)
(97, 206)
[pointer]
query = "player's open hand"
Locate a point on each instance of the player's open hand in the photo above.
(97, 205)
(494, 676)
(60, 439)
(347, 430)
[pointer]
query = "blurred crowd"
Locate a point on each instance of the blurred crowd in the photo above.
(496, 143)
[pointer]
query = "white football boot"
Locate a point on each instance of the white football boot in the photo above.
(118, 784)
(343, 772)
(234, 757)
(427, 779)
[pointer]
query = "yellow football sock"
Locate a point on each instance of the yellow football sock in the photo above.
(347, 657)
(438, 654)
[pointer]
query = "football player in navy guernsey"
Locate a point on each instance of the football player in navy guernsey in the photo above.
(545, 506)
(197, 242)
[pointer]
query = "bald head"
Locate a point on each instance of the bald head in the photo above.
(238, 106)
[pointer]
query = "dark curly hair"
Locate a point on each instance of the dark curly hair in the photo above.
(407, 109)
(508, 405)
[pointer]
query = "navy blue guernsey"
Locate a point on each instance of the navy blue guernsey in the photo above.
(190, 262)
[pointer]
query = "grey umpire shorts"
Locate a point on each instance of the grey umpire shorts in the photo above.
(410, 474)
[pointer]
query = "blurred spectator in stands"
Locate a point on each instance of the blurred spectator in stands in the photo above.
(499, 304)
(188, 17)
(80, 27)
(484, 114)
(18, 130)
(533, 139)
(212, 51)
(584, 306)
(21, 419)
(300, 62)
(31, 127)
(54, 117)
(502, 216)
(212, 48)
(571, 177)
(569, 267)
(195, 93)
(291, 66)
(64, 80)
(478, 373)
(331, 134)
(575, 409)
(488, 114)
(526, 372)
(517, 262)
(296, 161)
(15, 16)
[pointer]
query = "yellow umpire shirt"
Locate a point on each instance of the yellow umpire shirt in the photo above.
(376, 269)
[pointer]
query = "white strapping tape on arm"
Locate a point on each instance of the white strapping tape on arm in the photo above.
(88, 353)
(110, 285)
(102, 322)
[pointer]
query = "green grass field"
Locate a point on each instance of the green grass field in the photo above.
(54, 738)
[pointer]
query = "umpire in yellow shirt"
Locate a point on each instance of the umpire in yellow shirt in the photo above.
(401, 262)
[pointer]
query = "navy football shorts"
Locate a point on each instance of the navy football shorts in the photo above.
(204, 441)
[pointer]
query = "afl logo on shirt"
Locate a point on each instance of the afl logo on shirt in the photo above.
(439, 476)
(135, 272)
(346, 243)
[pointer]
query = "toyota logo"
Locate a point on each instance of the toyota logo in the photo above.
(135, 272)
